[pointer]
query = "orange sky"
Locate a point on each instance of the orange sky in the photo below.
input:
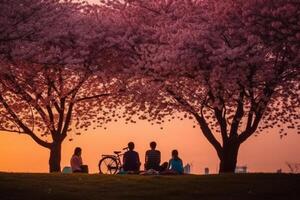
(266, 153)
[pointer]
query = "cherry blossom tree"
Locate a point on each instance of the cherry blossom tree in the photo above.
(57, 58)
(232, 66)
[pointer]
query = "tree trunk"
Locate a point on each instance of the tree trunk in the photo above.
(55, 157)
(228, 157)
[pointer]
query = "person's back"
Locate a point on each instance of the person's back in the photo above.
(152, 158)
(131, 160)
(175, 164)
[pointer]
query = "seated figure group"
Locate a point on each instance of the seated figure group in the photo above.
(131, 161)
(132, 164)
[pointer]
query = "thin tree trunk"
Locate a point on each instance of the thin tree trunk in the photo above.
(228, 157)
(55, 157)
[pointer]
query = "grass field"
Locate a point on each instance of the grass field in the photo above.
(85, 187)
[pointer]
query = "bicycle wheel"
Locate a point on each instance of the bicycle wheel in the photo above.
(108, 165)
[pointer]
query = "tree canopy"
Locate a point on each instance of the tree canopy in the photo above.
(231, 66)
(57, 58)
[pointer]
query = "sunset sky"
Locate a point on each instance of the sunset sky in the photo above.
(265, 153)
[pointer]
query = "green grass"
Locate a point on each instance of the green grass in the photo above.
(85, 187)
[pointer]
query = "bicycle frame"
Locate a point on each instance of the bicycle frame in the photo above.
(116, 157)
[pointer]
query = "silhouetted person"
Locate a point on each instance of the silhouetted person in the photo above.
(131, 159)
(76, 162)
(175, 163)
(153, 158)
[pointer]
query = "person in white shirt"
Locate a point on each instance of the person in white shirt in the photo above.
(76, 162)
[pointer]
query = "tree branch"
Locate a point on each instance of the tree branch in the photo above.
(28, 98)
(92, 97)
(22, 125)
(222, 123)
(238, 115)
(202, 122)
(61, 112)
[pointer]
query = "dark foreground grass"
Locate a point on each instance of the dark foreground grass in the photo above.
(85, 187)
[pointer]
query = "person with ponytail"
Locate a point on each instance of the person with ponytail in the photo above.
(175, 163)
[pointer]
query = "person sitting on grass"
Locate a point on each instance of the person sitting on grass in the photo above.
(76, 162)
(175, 164)
(131, 160)
(153, 158)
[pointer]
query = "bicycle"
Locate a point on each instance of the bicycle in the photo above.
(111, 164)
